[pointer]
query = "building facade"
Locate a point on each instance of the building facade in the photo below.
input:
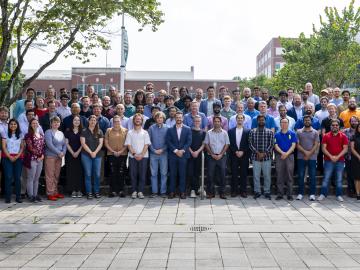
(103, 78)
(270, 59)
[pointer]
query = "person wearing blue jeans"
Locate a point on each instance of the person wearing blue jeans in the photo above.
(334, 146)
(92, 140)
(13, 147)
(308, 144)
(261, 143)
(158, 154)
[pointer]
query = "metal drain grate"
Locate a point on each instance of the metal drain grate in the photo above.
(199, 228)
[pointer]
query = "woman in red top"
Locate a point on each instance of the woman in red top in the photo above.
(40, 109)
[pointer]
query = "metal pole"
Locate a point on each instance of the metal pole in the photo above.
(202, 175)
(122, 66)
(12, 83)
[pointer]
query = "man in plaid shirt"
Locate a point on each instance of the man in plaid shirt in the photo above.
(261, 142)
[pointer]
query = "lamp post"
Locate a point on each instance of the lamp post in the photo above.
(84, 77)
(124, 52)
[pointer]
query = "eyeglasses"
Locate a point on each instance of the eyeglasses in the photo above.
(334, 125)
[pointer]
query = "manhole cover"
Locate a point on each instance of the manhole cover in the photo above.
(199, 228)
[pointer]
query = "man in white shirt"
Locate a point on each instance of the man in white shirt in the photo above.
(323, 112)
(313, 98)
(4, 116)
(138, 142)
(64, 110)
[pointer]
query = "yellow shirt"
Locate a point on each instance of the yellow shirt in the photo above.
(347, 114)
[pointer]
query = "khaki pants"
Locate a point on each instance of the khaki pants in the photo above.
(52, 173)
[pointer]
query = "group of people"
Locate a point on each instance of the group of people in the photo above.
(163, 137)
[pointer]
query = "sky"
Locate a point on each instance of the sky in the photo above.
(219, 38)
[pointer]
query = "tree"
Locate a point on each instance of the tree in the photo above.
(72, 27)
(261, 81)
(328, 58)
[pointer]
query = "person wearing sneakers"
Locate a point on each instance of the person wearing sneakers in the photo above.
(334, 146)
(92, 139)
(54, 152)
(308, 145)
(196, 148)
(158, 154)
(74, 169)
(138, 141)
(285, 143)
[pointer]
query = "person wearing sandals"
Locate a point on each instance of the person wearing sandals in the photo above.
(13, 148)
(33, 160)
(92, 140)
(54, 152)
(74, 170)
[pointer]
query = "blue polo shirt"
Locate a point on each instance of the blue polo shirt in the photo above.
(269, 122)
(285, 140)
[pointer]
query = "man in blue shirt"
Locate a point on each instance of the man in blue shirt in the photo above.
(315, 123)
(284, 143)
(188, 118)
(158, 154)
(269, 120)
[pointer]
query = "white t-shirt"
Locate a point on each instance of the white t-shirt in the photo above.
(137, 140)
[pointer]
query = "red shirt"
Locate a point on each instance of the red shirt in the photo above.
(335, 144)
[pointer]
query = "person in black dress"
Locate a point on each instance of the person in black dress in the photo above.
(196, 148)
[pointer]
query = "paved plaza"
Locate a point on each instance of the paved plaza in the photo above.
(121, 233)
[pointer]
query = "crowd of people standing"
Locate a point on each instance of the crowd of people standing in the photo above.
(161, 136)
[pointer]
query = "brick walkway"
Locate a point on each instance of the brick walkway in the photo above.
(180, 234)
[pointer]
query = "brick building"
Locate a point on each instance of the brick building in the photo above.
(103, 78)
(270, 59)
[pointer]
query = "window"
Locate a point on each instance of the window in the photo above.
(279, 65)
(269, 54)
(39, 93)
(279, 51)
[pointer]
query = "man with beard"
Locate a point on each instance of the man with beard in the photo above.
(178, 140)
(4, 116)
(326, 123)
(217, 112)
(261, 143)
(308, 144)
(297, 111)
(283, 100)
(206, 104)
(140, 110)
(314, 121)
(120, 111)
(184, 92)
(199, 95)
(346, 97)
(351, 111)
(269, 120)
(107, 109)
(283, 115)
(334, 146)
(129, 107)
(68, 121)
(246, 95)
(349, 132)
(189, 117)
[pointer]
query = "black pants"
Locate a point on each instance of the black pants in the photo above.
(117, 166)
(243, 162)
(74, 173)
(194, 170)
(212, 166)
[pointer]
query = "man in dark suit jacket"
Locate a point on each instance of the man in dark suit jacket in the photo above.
(239, 154)
(179, 140)
(296, 104)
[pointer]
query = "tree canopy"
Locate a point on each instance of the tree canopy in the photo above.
(73, 27)
(329, 57)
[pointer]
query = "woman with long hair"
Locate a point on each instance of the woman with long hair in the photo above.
(91, 139)
(40, 109)
(13, 148)
(139, 98)
(74, 170)
(355, 160)
(54, 153)
(34, 157)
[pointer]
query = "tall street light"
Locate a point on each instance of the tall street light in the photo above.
(124, 54)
